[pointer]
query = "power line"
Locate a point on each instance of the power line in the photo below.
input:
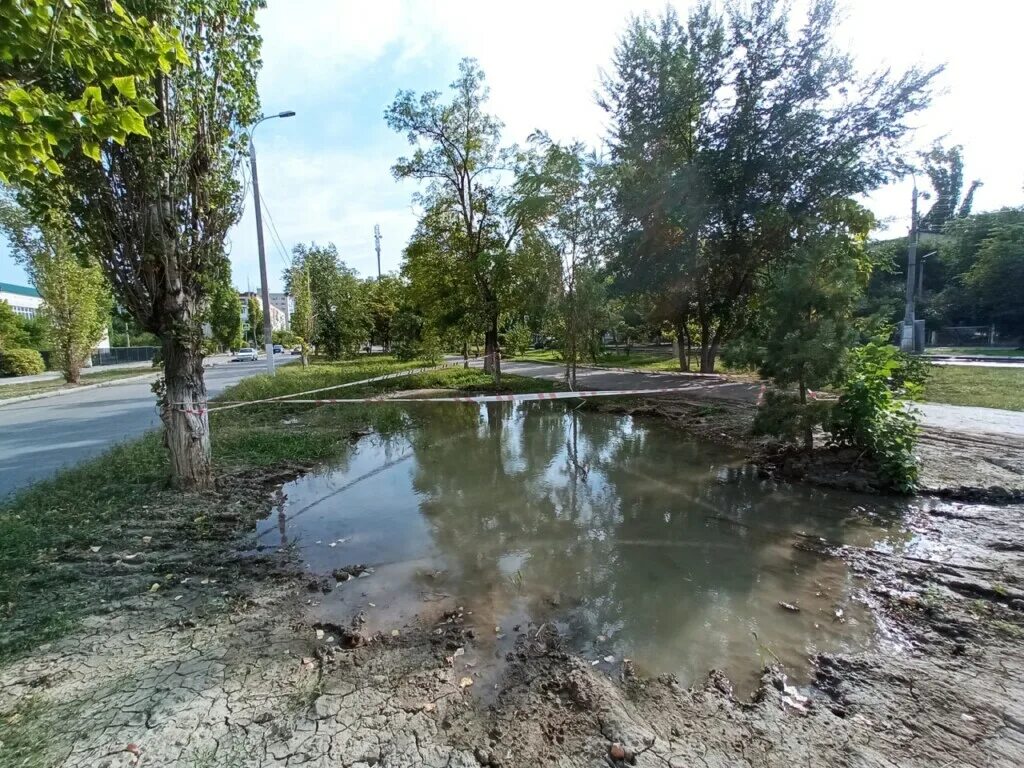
(278, 242)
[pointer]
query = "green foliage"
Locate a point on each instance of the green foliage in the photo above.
(254, 313)
(872, 415)
(12, 331)
(785, 416)
(68, 76)
(802, 318)
(518, 338)
(996, 280)
(472, 258)
(727, 141)
(384, 295)
(945, 169)
(76, 300)
(338, 310)
(225, 315)
(18, 361)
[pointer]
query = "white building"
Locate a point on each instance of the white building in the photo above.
(278, 320)
(25, 301)
(286, 304)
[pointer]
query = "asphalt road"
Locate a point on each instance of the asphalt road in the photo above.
(39, 437)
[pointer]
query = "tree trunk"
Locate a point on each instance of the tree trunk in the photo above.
(465, 354)
(186, 423)
(492, 355)
(808, 428)
(682, 346)
(708, 353)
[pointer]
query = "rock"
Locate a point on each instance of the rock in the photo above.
(482, 756)
(262, 718)
(789, 606)
(350, 572)
(617, 752)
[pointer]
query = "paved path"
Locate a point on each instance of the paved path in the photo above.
(955, 418)
(41, 436)
(86, 373)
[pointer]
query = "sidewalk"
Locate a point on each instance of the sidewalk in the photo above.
(86, 372)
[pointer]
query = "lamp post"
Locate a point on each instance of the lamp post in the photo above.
(268, 329)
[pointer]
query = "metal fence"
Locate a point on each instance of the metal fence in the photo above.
(116, 355)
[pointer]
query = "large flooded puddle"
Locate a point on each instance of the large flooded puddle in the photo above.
(635, 542)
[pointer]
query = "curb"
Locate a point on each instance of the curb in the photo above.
(83, 388)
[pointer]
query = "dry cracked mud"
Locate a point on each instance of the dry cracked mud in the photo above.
(232, 670)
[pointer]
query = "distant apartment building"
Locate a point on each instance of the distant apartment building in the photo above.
(286, 304)
(25, 301)
(278, 319)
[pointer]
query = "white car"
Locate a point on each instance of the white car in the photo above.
(246, 354)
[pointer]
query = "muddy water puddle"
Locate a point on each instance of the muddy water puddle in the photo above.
(633, 541)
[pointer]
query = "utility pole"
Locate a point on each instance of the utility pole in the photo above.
(376, 242)
(268, 329)
(907, 335)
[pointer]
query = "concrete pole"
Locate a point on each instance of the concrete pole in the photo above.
(268, 328)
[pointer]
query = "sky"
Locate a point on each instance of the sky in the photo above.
(325, 173)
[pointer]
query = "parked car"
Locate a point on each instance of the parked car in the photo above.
(296, 350)
(245, 354)
(278, 349)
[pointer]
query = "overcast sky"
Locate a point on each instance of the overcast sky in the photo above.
(325, 174)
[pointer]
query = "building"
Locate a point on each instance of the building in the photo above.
(278, 321)
(286, 304)
(25, 301)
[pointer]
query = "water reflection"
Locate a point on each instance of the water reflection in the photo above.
(636, 542)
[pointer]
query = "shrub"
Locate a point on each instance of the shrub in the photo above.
(872, 415)
(21, 362)
(783, 416)
(517, 340)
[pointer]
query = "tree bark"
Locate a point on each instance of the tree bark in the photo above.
(492, 356)
(682, 346)
(808, 429)
(186, 422)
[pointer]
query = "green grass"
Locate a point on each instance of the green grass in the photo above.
(976, 385)
(974, 351)
(52, 385)
(49, 579)
(640, 360)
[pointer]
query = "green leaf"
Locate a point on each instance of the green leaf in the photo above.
(132, 122)
(126, 86)
(92, 94)
(146, 107)
(91, 149)
(52, 167)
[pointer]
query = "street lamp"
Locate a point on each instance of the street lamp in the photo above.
(268, 330)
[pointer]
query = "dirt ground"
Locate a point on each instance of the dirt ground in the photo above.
(223, 664)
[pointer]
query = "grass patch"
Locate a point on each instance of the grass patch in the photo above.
(640, 360)
(52, 385)
(976, 385)
(50, 577)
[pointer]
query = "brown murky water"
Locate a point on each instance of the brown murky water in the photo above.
(634, 542)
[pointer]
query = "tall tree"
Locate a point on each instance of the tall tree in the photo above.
(341, 321)
(728, 134)
(945, 170)
(384, 296)
(254, 311)
(459, 153)
(76, 300)
(68, 79)
(996, 278)
(299, 286)
(225, 315)
(157, 207)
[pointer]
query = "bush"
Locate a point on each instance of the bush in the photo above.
(783, 416)
(518, 339)
(871, 414)
(21, 362)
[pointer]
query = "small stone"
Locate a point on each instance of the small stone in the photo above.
(154, 587)
(147, 540)
(319, 634)
(465, 682)
(394, 633)
(617, 752)
(94, 549)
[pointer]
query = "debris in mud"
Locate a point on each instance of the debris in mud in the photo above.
(789, 606)
(351, 572)
(319, 585)
(465, 682)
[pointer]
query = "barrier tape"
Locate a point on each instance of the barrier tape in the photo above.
(518, 398)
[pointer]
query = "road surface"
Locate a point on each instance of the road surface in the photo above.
(39, 437)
